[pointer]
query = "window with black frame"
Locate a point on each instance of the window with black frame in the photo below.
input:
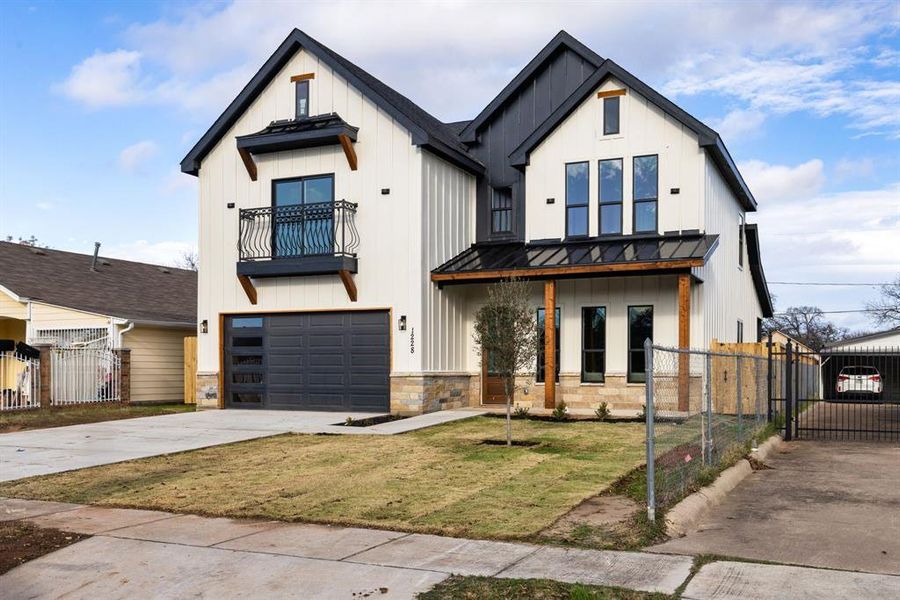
(577, 192)
(740, 331)
(303, 216)
(741, 241)
(646, 193)
(541, 363)
(640, 328)
(610, 196)
(611, 115)
(301, 98)
(593, 344)
(501, 210)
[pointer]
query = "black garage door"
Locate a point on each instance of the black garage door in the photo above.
(308, 361)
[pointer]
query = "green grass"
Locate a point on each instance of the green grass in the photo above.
(74, 415)
(438, 480)
(488, 588)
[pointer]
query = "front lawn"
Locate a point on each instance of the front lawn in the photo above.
(488, 588)
(439, 480)
(40, 418)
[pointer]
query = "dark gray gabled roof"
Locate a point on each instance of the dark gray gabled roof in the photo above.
(116, 288)
(708, 139)
(560, 40)
(756, 271)
(426, 130)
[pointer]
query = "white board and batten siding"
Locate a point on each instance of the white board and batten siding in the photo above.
(392, 270)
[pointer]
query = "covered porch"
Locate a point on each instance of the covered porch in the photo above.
(616, 278)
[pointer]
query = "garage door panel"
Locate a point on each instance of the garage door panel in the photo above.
(309, 361)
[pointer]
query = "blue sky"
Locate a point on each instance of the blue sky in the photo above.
(100, 101)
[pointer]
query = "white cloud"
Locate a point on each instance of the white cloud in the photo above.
(157, 253)
(45, 205)
(105, 79)
(739, 123)
(854, 168)
(780, 183)
(134, 157)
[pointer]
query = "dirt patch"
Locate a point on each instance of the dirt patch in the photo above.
(21, 542)
(605, 512)
(517, 443)
(368, 422)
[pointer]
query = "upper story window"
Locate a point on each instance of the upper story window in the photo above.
(646, 193)
(611, 115)
(501, 210)
(577, 192)
(610, 196)
(302, 98)
(741, 241)
(303, 218)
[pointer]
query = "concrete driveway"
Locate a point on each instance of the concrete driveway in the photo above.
(43, 451)
(822, 504)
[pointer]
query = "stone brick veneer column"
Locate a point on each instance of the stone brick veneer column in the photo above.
(124, 355)
(419, 394)
(207, 390)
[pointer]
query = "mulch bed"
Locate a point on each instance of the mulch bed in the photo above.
(21, 541)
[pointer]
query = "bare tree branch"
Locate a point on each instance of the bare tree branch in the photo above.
(886, 310)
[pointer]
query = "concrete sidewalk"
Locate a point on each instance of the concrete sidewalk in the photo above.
(58, 449)
(149, 554)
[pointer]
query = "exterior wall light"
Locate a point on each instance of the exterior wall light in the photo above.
(401, 323)
(204, 326)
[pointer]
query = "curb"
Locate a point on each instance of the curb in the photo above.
(687, 513)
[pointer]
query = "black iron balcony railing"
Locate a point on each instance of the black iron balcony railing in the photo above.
(326, 229)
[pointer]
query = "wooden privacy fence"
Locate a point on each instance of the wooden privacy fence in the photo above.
(190, 370)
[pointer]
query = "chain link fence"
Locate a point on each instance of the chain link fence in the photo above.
(702, 409)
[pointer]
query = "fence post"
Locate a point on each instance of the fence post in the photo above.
(706, 434)
(769, 381)
(788, 391)
(124, 355)
(45, 373)
(649, 410)
(740, 399)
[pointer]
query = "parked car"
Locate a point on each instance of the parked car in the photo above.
(859, 381)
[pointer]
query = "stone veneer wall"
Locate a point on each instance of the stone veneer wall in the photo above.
(418, 394)
(207, 390)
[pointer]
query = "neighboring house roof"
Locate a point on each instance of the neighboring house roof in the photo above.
(651, 251)
(795, 341)
(560, 40)
(870, 337)
(117, 288)
(426, 130)
(708, 139)
(756, 270)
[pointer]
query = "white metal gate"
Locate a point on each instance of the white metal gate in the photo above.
(84, 376)
(20, 382)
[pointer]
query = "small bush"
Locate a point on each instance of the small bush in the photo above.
(602, 411)
(561, 412)
(521, 412)
(349, 422)
(643, 414)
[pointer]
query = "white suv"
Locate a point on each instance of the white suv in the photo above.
(859, 380)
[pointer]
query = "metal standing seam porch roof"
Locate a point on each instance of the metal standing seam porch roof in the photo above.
(290, 134)
(593, 256)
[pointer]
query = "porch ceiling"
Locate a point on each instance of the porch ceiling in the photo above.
(553, 259)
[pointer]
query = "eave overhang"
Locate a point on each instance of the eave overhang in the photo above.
(295, 134)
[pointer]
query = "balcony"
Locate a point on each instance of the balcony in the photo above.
(302, 239)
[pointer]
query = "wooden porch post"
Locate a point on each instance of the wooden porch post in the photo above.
(684, 341)
(550, 344)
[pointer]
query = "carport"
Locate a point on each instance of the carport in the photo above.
(878, 350)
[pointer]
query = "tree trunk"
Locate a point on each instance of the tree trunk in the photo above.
(508, 414)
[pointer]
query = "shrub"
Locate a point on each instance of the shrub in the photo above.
(349, 422)
(521, 412)
(561, 412)
(602, 411)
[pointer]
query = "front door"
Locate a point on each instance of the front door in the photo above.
(492, 388)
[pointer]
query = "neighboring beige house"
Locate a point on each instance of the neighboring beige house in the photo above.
(64, 298)
(348, 237)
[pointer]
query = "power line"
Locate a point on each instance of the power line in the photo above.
(831, 283)
(837, 312)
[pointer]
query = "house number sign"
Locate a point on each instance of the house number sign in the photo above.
(412, 340)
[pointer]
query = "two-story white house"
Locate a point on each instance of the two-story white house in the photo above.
(347, 237)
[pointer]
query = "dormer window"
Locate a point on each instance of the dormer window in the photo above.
(302, 98)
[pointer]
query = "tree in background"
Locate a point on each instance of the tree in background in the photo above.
(506, 334)
(808, 325)
(886, 310)
(188, 260)
(29, 241)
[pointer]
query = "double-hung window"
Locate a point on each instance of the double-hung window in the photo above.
(577, 192)
(593, 344)
(640, 328)
(501, 210)
(303, 216)
(539, 376)
(646, 193)
(610, 196)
